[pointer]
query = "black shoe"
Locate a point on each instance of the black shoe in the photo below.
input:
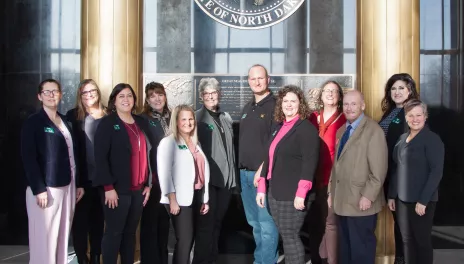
(95, 259)
(399, 260)
(82, 259)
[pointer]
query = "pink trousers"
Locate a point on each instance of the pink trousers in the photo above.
(49, 228)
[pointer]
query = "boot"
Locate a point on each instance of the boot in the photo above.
(95, 259)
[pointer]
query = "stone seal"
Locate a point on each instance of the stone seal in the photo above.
(249, 14)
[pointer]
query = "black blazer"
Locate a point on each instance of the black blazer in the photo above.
(296, 158)
(113, 153)
(45, 153)
(397, 127)
(419, 168)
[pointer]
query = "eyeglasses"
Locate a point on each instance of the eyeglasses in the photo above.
(329, 90)
(90, 92)
(215, 93)
(50, 93)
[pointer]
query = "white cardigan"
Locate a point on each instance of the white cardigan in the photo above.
(176, 171)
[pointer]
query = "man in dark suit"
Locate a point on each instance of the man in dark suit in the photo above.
(355, 187)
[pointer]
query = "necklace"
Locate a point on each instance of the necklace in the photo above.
(220, 127)
(136, 134)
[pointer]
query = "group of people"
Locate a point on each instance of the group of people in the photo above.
(98, 171)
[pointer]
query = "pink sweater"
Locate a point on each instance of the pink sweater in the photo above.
(303, 185)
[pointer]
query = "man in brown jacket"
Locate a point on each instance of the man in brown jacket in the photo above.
(355, 187)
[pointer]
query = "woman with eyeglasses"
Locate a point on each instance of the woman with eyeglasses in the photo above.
(154, 226)
(216, 137)
(123, 172)
(88, 218)
(323, 226)
(49, 157)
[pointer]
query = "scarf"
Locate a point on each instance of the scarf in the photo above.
(324, 126)
(163, 119)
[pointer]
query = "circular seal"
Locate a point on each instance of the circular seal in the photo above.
(249, 14)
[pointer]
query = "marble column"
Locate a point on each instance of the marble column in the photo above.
(326, 36)
(112, 44)
(295, 52)
(112, 48)
(174, 36)
(387, 43)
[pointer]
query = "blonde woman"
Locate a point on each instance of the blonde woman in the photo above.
(88, 218)
(183, 172)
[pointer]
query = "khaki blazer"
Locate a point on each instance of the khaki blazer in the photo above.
(360, 170)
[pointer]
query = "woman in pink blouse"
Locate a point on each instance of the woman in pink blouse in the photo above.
(183, 173)
(289, 170)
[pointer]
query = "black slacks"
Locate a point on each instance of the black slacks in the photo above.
(399, 253)
(154, 230)
(210, 226)
(316, 219)
(187, 225)
(88, 223)
(121, 225)
(416, 232)
(356, 239)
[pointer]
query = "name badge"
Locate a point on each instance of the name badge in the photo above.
(49, 130)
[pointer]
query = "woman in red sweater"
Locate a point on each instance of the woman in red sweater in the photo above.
(327, 120)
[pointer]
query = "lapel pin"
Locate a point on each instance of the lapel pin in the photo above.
(182, 146)
(116, 127)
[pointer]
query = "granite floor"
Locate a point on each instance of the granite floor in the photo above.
(448, 242)
(19, 255)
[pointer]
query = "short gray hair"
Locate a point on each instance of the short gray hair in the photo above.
(208, 83)
(410, 104)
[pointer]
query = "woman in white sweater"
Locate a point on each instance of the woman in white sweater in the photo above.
(183, 173)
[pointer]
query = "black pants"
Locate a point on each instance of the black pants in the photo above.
(356, 239)
(396, 228)
(416, 232)
(121, 225)
(316, 219)
(210, 226)
(187, 224)
(154, 231)
(88, 224)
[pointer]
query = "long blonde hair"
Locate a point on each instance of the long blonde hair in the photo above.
(80, 105)
(173, 123)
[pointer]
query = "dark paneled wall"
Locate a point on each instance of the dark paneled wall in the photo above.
(38, 41)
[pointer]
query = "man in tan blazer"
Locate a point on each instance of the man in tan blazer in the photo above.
(355, 187)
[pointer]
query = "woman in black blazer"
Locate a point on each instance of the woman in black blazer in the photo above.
(122, 155)
(48, 153)
(413, 191)
(88, 218)
(398, 90)
(154, 226)
(289, 168)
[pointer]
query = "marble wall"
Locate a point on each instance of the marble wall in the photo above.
(39, 39)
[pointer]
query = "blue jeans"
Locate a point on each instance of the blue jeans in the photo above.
(265, 231)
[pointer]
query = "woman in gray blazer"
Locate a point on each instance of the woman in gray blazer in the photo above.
(216, 137)
(413, 191)
(183, 173)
